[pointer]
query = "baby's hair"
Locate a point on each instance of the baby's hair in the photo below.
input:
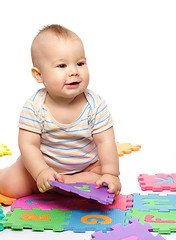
(58, 29)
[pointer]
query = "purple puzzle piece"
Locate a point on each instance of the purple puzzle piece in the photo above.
(87, 190)
(132, 231)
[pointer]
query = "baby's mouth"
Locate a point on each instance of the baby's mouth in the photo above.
(72, 84)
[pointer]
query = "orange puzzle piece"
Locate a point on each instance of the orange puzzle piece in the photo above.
(126, 148)
(6, 200)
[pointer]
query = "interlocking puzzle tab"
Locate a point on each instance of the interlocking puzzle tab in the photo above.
(87, 190)
(133, 231)
(4, 150)
(126, 148)
(158, 182)
(162, 222)
(36, 219)
(154, 201)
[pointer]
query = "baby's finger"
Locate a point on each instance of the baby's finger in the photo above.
(98, 183)
(41, 189)
(48, 186)
(111, 188)
(117, 193)
(58, 177)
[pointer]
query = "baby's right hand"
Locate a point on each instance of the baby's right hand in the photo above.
(45, 176)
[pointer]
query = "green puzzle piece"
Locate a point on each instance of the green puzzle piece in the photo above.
(84, 188)
(162, 222)
(36, 219)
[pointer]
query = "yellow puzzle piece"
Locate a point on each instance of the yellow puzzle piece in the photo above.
(126, 148)
(4, 150)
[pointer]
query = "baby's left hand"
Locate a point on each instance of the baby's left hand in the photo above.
(113, 183)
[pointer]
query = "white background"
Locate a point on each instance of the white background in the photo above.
(131, 52)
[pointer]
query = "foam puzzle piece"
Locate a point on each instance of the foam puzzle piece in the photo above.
(158, 182)
(87, 190)
(4, 150)
(121, 202)
(94, 220)
(133, 231)
(6, 200)
(48, 201)
(162, 222)
(127, 148)
(36, 219)
(44, 201)
(154, 201)
(1, 218)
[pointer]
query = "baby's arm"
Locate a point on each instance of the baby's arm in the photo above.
(29, 144)
(109, 160)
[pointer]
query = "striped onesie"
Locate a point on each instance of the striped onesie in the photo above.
(68, 148)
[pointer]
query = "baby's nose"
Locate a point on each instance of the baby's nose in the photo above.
(73, 71)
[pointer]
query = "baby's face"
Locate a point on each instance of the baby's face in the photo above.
(63, 66)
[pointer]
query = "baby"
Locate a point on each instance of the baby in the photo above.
(65, 130)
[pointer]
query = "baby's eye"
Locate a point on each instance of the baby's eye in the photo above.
(80, 64)
(61, 65)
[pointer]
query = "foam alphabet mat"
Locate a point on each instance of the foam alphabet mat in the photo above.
(78, 214)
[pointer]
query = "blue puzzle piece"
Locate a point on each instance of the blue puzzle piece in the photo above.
(94, 220)
(154, 201)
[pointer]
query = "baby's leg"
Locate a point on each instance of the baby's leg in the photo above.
(89, 175)
(15, 181)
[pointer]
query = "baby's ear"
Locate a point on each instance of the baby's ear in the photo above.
(37, 75)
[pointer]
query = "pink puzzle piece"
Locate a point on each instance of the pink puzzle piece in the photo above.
(158, 182)
(44, 201)
(48, 201)
(121, 202)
